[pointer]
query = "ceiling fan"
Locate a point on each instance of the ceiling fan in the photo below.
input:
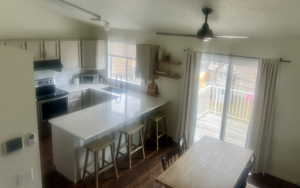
(204, 33)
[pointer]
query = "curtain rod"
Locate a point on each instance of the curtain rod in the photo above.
(282, 60)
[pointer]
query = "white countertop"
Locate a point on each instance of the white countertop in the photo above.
(108, 116)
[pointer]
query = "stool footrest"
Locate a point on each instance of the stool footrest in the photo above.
(102, 169)
(136, 149)
(121, 153)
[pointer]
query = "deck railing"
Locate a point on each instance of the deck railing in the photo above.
(240, 102)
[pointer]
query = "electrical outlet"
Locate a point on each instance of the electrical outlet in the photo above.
(29, 139)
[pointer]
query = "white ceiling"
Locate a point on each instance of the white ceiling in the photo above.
(255, 18)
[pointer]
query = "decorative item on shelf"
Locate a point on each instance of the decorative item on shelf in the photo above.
(152, 89)
(164, 58)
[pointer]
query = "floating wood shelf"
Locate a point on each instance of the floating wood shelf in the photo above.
(168, 75)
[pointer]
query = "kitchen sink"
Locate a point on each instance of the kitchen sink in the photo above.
(114, 90)
(88, 98)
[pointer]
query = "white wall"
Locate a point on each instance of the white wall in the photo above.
(286, 150)
(17, 118)
(34, 19)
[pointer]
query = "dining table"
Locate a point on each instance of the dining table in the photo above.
(209, 163)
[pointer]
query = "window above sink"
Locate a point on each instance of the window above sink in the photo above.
(122, 62)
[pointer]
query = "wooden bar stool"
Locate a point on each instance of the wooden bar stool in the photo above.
(159, 119)
(129, 132)
(94, 147)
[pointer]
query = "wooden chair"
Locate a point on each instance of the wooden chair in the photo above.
(172, 156)
(182, 145)
(242, 182)
(129, 132)
(169, 158)
(94, 147)
(160, 123)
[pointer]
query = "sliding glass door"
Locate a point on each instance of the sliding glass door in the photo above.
(226, 94)
(211, 93)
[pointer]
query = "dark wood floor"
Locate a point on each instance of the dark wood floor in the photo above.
(141, 176)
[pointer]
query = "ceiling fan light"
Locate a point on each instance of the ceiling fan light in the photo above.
(207, 39)
(205, 32)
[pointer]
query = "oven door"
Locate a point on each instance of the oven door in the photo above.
(53, 107)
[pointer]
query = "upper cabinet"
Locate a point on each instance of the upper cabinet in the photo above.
(16, 44)
(41, 50)
(93, 54)
(74, 54)
(50, 49)
(70, 54)
(101, 54)
(35, 48)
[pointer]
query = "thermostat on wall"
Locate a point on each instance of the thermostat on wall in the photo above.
(13, 145)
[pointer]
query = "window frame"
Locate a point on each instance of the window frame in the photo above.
(109, 65)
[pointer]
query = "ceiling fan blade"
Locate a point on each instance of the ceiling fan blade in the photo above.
(231, 37)
(175, 34)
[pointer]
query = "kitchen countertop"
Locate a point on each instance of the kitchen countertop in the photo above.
(108, 116)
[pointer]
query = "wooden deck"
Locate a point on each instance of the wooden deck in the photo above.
(210, 124)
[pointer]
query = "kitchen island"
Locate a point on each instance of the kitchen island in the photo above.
(72, 131)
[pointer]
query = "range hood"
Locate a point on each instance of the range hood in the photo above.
(53, 64)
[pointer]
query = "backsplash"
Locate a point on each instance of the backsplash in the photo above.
(61, 78)
(65, 76)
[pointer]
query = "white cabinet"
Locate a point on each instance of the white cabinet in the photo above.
(70, 54)
(50, 49)
(94, 54)
(101, 54)
(34, 47)
(16, 44)
(47, 49)
(74, 54)
(88, 50)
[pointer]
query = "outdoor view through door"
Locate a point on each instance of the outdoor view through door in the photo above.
(225, 97)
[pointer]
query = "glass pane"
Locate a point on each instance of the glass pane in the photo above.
(213, 71)
(122, 49)
(131, 65)
(123, 62)
(118, 68)
(241, 98)
(117, 49)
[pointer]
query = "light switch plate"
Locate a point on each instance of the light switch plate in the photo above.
(12, 145)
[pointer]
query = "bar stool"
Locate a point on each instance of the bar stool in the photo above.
(129, 132)
(158, 119)
(94, 147)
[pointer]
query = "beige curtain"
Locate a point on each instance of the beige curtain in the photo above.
(147, 57)
(188, 107)
(261, 125)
